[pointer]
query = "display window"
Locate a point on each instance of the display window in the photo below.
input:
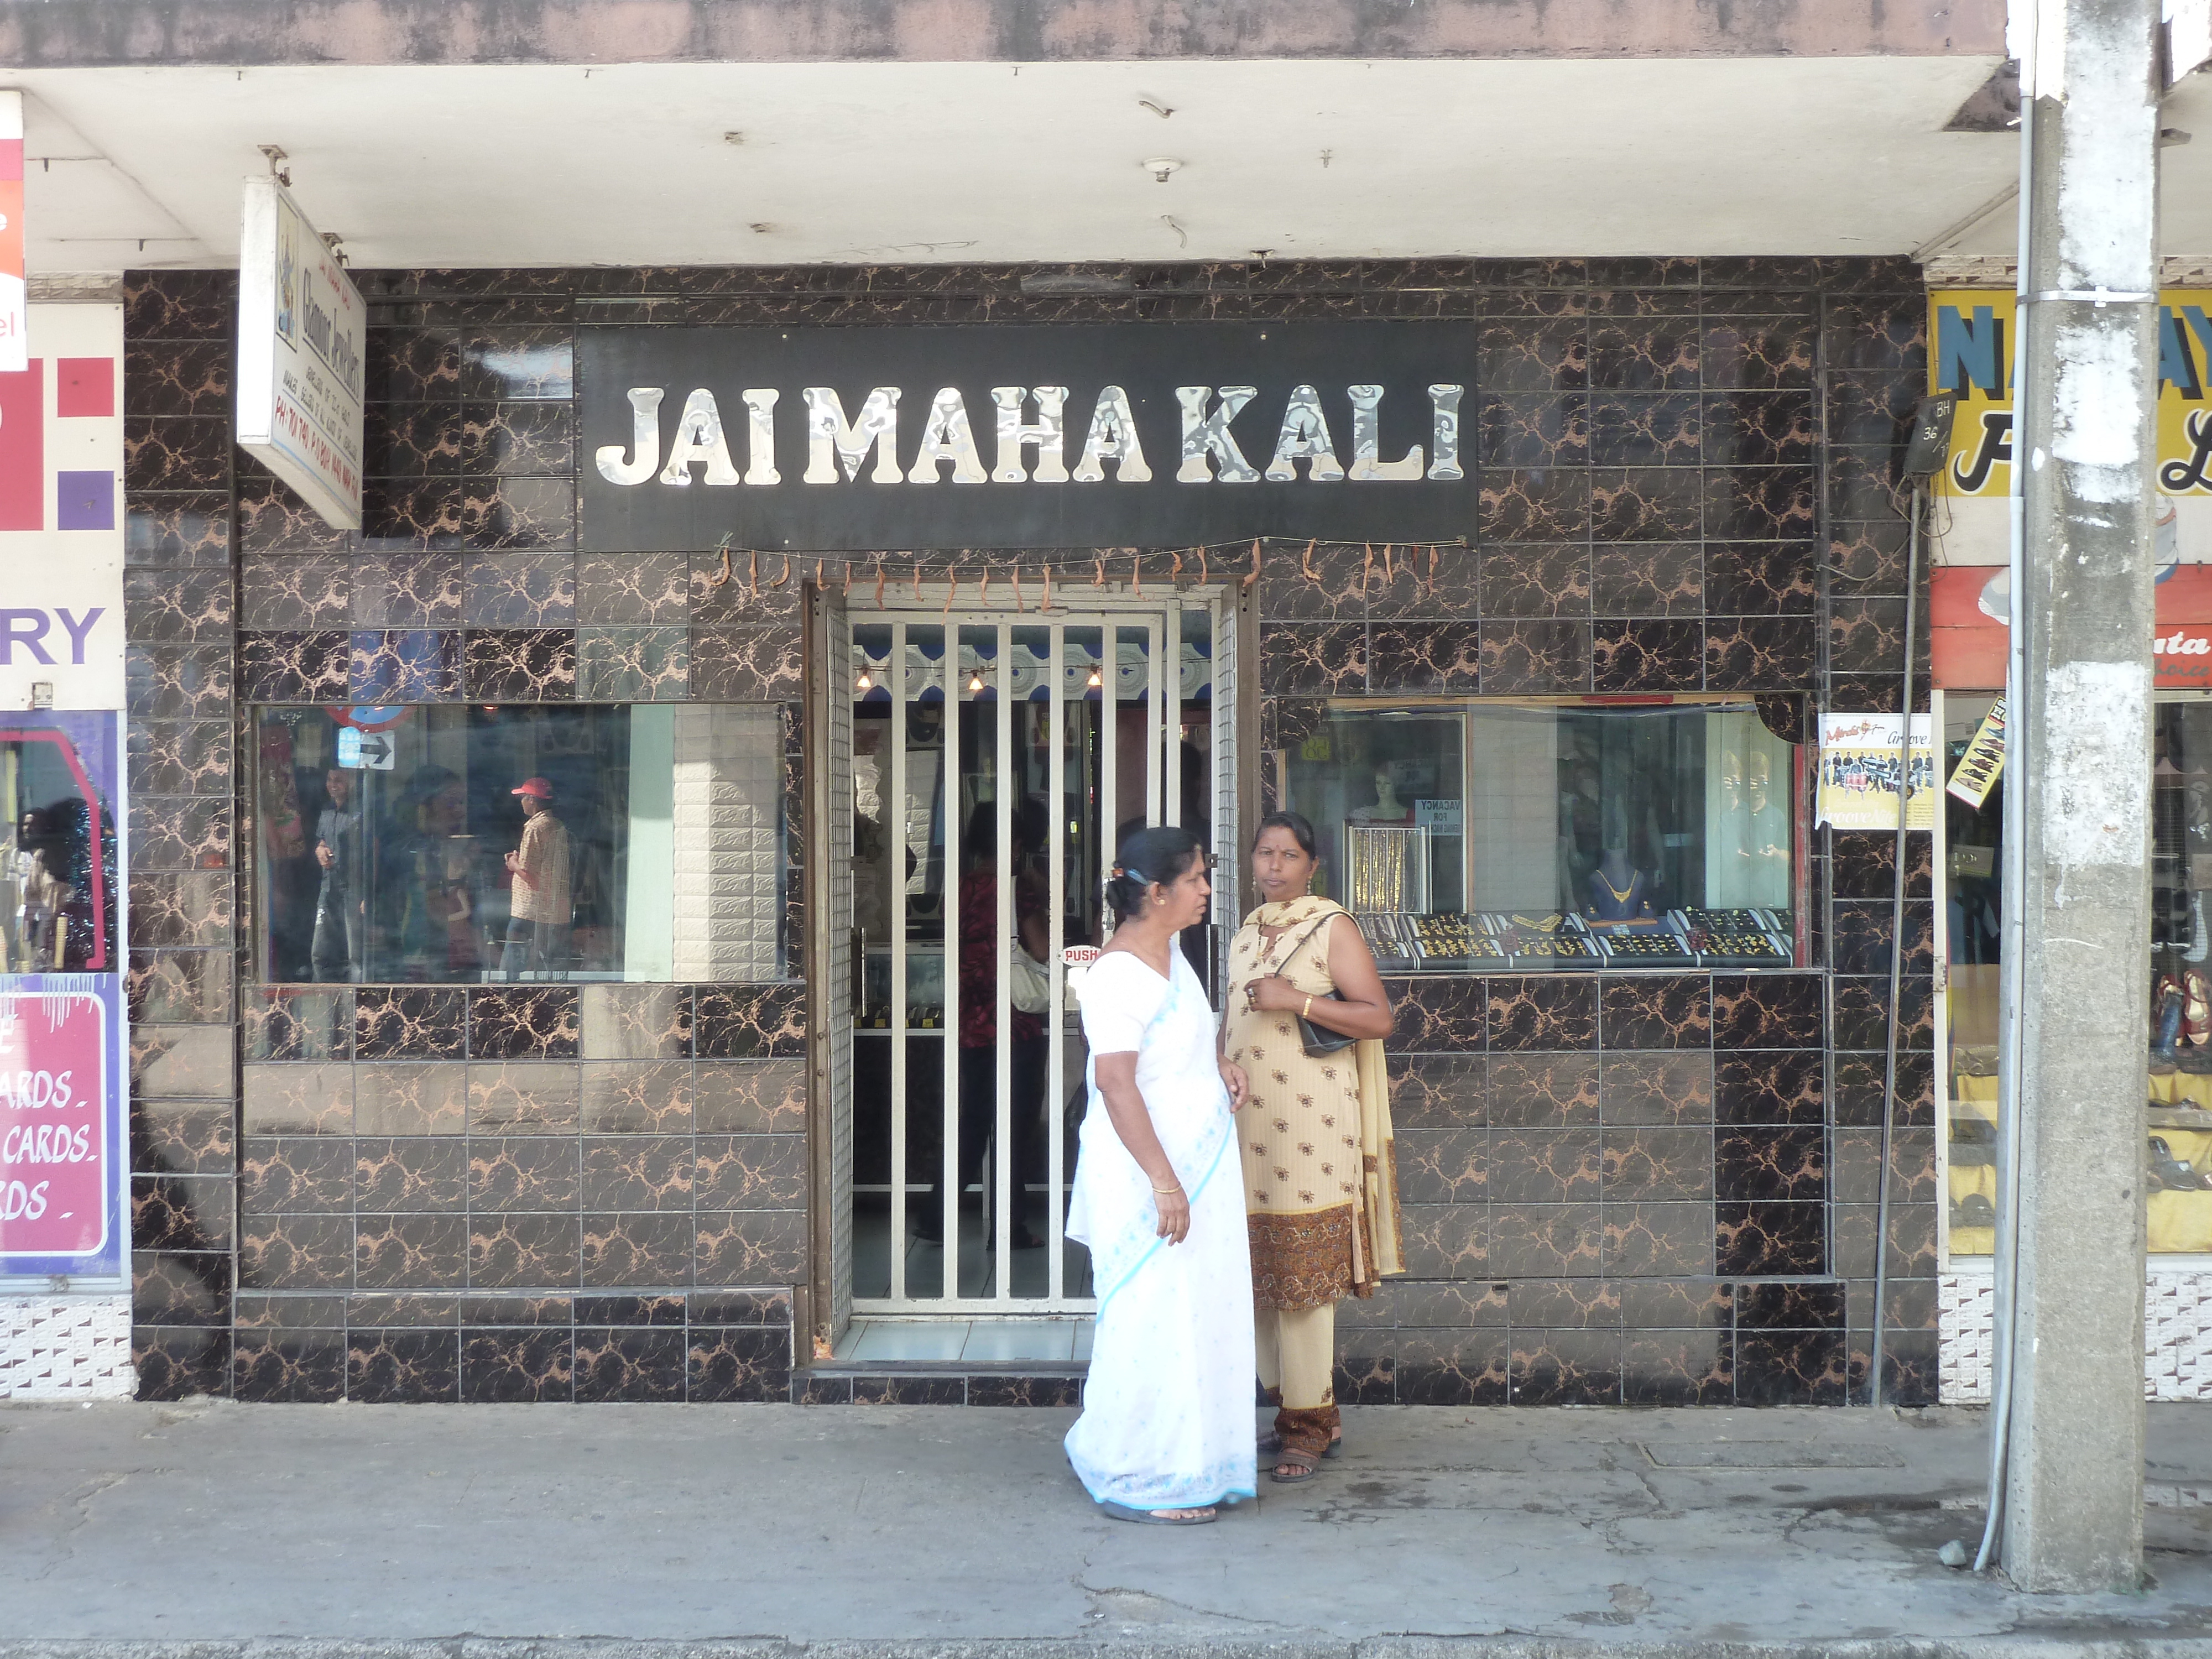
(2178, 1114)
(1556, 836)
(472, 844)
(56, 858)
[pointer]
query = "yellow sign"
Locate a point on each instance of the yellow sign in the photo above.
(1969, 350)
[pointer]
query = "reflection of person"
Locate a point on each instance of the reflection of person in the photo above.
(339, 905)
(432, 865)
(1165, 1434)
(1320, 1175)
(539, 912)
(53, 870)
(1027, 1045)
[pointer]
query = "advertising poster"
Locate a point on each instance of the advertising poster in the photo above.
(63, 1069)
(1861, 772)
(1982, 762)
(61, 520)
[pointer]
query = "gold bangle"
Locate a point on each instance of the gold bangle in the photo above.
(1163, 1191)
(1307, 1012)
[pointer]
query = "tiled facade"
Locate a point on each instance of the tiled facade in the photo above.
(1643, 1188)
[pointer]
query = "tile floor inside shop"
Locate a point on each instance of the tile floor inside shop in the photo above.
(979, 1262)
(968, 1341)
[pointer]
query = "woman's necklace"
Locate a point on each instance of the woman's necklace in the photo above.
(1619, 894)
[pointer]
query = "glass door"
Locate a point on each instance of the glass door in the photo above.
(995, 760)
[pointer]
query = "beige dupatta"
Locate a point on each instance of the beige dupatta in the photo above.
(1377, 1247)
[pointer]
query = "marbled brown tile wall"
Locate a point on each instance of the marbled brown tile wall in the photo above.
(1644, 1188)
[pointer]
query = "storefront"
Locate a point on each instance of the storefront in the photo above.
(1968, 606)
(622, 815)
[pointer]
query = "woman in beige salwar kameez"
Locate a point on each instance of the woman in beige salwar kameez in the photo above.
(1319, 1179)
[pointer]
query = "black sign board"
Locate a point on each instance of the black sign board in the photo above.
(1146, 435)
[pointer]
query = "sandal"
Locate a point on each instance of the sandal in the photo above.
(1304, 1465)
(1272, 1442)
(1155, 1517)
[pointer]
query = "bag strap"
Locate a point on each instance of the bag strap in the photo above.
(1305, 937)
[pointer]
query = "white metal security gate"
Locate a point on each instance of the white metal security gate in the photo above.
(993, 755)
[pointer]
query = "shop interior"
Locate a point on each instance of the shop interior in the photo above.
(1556, 835)
(2177, 1113)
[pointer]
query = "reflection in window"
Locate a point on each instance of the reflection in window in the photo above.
(455, 844)
(1556, 836)
(56, 858)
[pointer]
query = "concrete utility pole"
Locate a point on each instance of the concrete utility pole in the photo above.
(2078, 1017)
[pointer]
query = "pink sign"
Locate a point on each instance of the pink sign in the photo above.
(54, 1139)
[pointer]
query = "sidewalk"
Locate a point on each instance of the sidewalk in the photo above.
(138, 1529)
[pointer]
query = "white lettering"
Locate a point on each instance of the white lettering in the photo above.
(699, 438)
(945, 437)
(760, 450)
(1206, 436)
(1113, 438)
(1443, 402)
(1367, 440)
(645, 425)
(1305, 437)
(1047, 434)
(829, 433)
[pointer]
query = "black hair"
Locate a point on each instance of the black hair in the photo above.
(1301, 831)
(1162, 854)
(1030, 825)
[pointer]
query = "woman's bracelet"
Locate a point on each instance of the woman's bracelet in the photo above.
(1163, 1191)
(1307, 1012)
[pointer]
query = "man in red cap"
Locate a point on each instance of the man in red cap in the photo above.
(539, 907)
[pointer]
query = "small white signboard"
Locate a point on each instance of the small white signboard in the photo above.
(368, 750)
(1441, 815)
(302, 334)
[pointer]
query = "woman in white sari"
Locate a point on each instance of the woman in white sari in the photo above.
(1166, 1431)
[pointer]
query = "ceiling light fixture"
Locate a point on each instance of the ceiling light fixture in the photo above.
(1161, 166)
(976, 681)
(1094, 682)
(863, 683)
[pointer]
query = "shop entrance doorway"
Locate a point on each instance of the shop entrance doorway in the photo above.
(976, 768)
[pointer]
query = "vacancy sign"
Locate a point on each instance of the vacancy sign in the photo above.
(61, 521)
(54, 1173)
(14, 322)
(302, 332)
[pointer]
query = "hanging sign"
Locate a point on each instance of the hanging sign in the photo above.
(303, 335)
(1088, 435)
(1861, 772)
(1979, 768)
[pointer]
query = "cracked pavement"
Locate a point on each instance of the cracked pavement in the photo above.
(134, 1525)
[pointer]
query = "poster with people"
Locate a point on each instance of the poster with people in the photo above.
(1863, 762)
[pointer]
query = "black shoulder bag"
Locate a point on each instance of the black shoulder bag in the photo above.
(1318, 1040)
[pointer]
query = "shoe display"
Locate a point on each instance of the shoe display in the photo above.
(2172, 1174)
(1973, 1211)
(2165, 1001)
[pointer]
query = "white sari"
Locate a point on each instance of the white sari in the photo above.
(1167, 1411)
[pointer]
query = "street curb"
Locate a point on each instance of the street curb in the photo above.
(2059, 1645)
